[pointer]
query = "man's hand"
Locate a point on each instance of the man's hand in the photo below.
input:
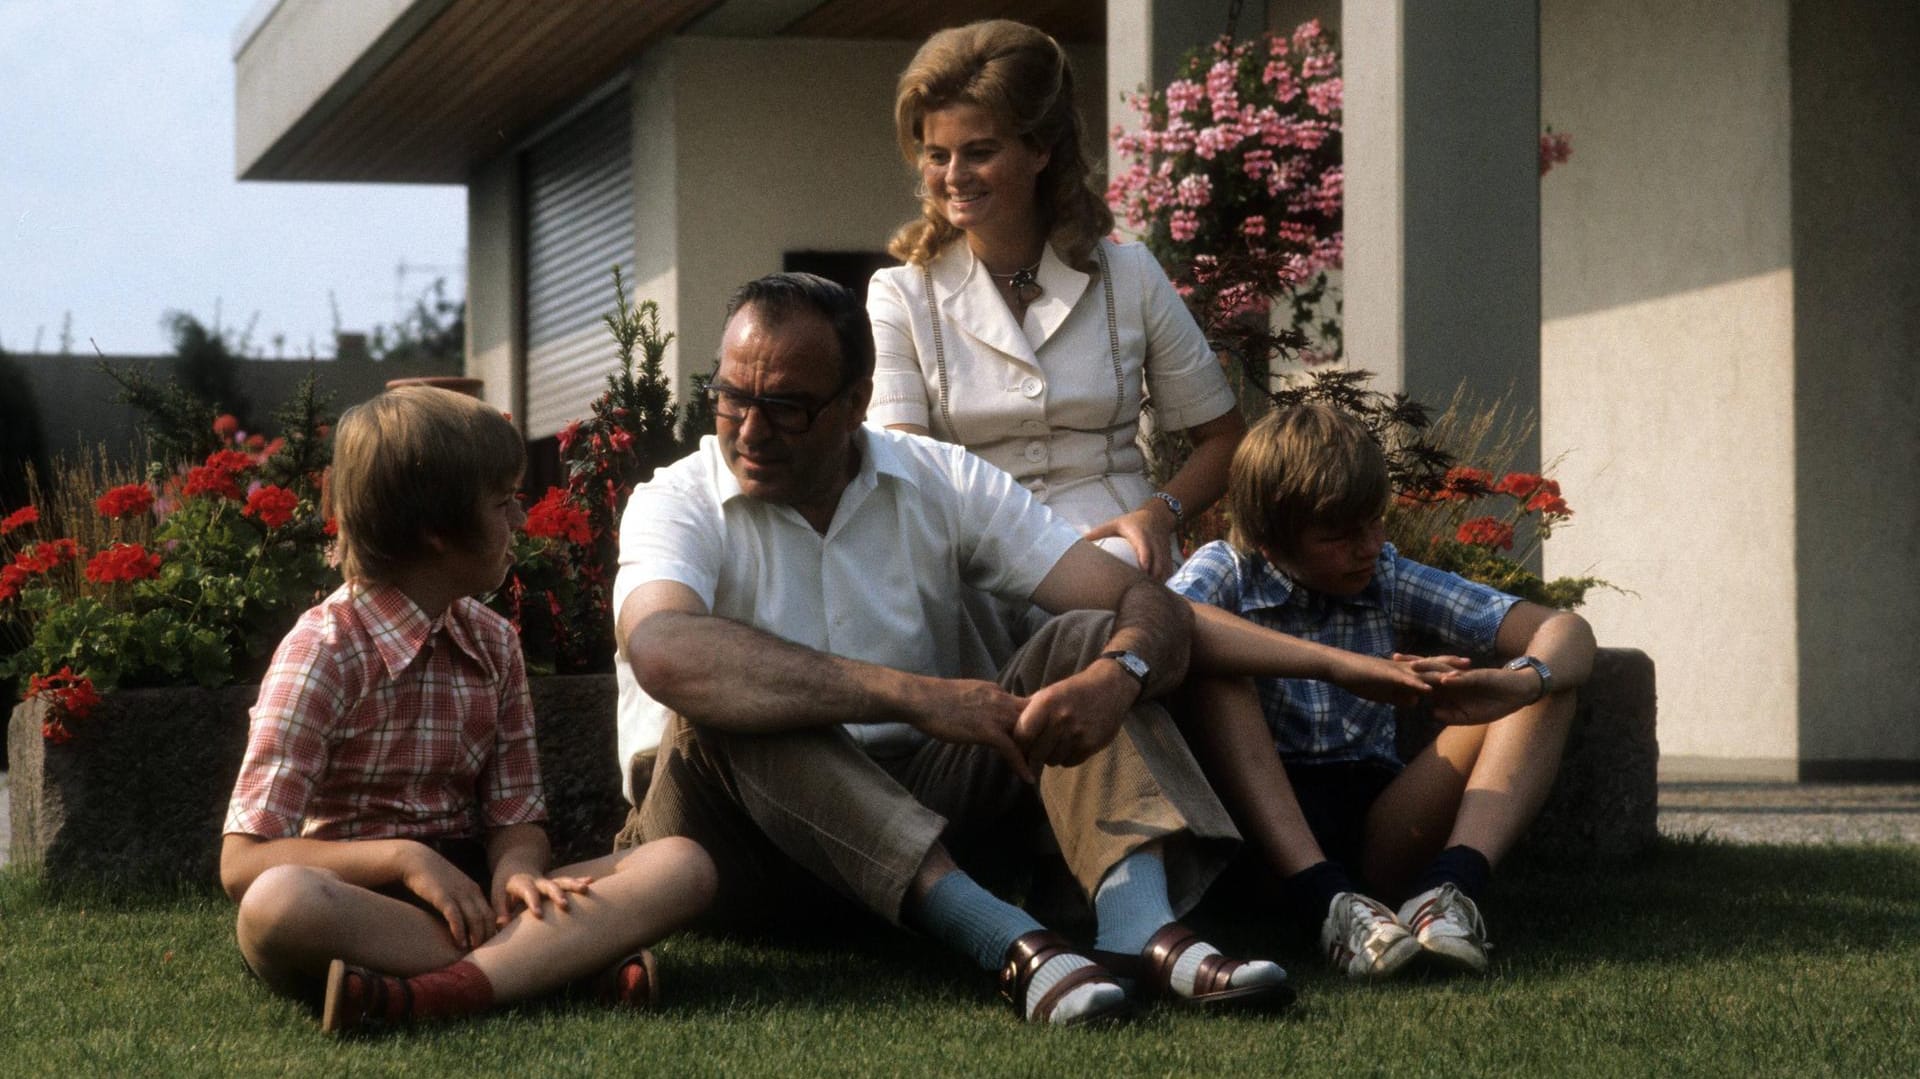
(523, 889)
(1468, 697)
(450, 892)
(965, 711)
(1068, 721)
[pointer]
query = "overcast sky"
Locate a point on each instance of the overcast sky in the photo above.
(118, 202)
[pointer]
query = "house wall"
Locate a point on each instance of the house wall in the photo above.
(295, 59)
(1668, 385)
(730, 173)
(1855, 106)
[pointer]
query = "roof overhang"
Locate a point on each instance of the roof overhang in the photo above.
(423, 91)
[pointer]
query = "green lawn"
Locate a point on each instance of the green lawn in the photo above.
(1702, 958)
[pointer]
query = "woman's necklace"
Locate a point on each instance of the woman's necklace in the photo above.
(1024, 282)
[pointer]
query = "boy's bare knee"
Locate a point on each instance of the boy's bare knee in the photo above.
(680, 859)
(282, 904)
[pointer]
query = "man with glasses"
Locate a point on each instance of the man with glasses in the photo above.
(791, 616)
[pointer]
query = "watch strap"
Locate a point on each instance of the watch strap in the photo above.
(1131, 664)
(1539, 667)
(1179, 511)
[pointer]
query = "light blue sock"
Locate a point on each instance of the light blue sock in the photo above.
(961, 914)
(1131, 903)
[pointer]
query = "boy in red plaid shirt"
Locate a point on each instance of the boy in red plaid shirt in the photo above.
(384, 834)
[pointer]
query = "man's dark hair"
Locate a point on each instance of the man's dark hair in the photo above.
(779, 295)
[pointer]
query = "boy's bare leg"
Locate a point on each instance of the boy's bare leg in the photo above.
(294, 920)
(1223, 724)
(638, 896)
(1475, 786)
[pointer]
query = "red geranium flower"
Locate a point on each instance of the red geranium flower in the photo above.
(1549, 504)
(556, 516)
(1521, 484)
(210, 480)
(12, 576)
(1463, 482)
(42, 557)
(226, 425)
(273, 506)
(19, 518)
(123, 562)
(73, 697)
(1487, 532)
(232, 461)
(126, 500)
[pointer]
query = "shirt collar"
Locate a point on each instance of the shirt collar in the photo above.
(1269, 586)
(878, 456)
(400, 630)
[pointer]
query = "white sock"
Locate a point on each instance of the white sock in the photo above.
(1082, 1000)
(1253, 972)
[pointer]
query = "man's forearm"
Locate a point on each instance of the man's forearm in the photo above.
(1157, 626)
(739, 678)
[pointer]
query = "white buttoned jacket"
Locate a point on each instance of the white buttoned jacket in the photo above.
(1055, 401)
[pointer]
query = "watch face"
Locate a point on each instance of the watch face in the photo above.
(1133, 664)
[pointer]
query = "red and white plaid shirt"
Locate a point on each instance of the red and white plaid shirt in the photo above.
(374, 722)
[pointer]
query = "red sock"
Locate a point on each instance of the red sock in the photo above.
(460, 989)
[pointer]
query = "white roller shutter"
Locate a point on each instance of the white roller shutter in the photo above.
(579, 224)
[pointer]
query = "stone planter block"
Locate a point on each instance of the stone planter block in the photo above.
(1605, 801)
(140, 793)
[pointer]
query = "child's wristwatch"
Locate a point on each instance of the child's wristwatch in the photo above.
(1179, 511)
(1539, 667)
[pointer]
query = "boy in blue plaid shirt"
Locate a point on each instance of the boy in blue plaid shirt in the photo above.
(1309, 770)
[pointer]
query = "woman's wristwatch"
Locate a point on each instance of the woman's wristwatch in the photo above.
(1179, 516)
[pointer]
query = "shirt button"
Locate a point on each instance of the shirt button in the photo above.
(1031, 386)
(1036, 451)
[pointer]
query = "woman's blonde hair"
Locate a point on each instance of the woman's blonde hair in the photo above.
(415, 462)
(1309, 466)
(1021, 76)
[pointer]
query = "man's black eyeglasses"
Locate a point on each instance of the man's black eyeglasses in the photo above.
(788, 415)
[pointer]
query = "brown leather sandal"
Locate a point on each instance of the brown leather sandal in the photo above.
(633, 982)
(1024, 960)
(1152, 971)
(356, 999)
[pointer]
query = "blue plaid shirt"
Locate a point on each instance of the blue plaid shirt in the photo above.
(1317, 720)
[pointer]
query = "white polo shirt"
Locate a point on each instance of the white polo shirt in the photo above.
(921, 522)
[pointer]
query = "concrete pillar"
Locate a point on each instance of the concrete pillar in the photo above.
(1443, 197)
(496, 288)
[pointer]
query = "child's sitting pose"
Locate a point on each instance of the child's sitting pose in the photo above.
(383, 841)
(1333, 814)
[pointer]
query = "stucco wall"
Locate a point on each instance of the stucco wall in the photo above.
(1667, 366)
(732, 173)
(1856, 239)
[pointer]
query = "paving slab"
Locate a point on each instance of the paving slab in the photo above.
(1784, 812)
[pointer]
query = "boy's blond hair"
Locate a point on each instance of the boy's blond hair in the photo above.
(412, 463)
(1308, 466)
